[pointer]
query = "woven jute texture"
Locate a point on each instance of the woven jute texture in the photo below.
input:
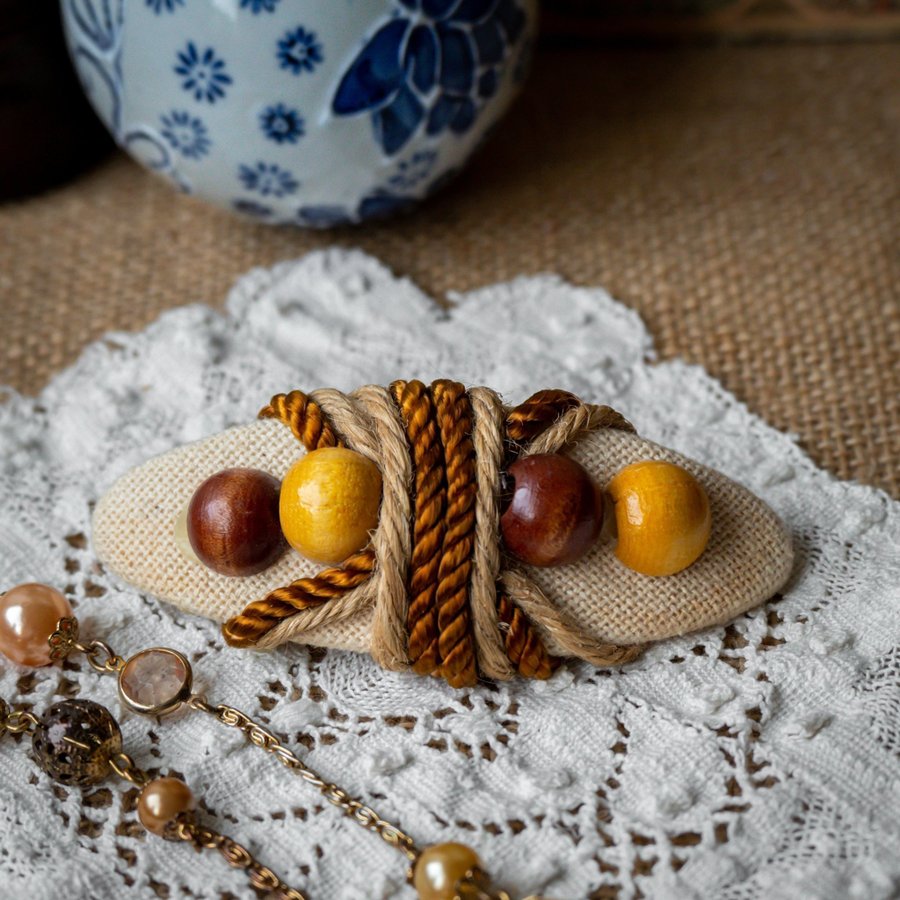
(745, 200)
(748, 558)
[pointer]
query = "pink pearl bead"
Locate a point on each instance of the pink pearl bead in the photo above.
(28, 616)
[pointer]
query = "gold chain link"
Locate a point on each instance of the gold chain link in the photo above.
(16, 721)
(102, 658)
(261, 877)
(125, 767)
(261, 737)
(100, 655)
(111, 661)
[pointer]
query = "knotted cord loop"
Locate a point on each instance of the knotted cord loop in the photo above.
(432, 572)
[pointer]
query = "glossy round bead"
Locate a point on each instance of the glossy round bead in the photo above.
(439, 869)
(162, 801)
(662, 517)
(232, 522)
(28, 616)
(329, 503)
(555, 512)
(75, 740)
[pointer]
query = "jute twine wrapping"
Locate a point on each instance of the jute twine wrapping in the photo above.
(594, 609)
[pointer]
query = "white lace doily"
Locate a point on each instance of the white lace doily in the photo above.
(760, 760)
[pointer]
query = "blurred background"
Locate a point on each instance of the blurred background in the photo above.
(729, 168)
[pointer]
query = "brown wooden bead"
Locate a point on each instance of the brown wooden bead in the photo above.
(233, 522)
(555, 512)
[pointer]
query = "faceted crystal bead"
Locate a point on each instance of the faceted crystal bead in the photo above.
(75, 740)
(155, 681)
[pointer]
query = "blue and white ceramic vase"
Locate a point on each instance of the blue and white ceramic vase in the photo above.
(312, 112)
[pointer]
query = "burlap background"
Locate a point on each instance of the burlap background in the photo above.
(745, 200)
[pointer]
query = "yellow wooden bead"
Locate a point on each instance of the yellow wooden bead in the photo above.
(329, 503)
(439, 869)
(662, 516)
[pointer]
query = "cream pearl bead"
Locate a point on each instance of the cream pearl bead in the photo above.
(28, 616)
(439, 869)
(161, 801)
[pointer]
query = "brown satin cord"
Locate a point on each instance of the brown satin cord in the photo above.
(309, 424)
(527, 420)
(438, 423)
(416, 406)
(521, 641)
(304, 417)
(454, 619)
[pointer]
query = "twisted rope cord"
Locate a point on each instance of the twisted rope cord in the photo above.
(416, 405)
(523, 645)
(565, 633)
(487, 408)
(573, 424)
(459, 528)
(306, 419)
(357, 602)
(259, 617)
(391, 541)
(527, 420)
(455, 637)
(551, 420)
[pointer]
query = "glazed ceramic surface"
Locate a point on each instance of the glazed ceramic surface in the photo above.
(315, 112)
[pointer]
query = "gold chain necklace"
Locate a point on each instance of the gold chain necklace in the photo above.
(78, 742)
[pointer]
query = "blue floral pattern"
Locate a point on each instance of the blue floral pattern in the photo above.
(267, 179)
(381, 203)
(413, 171)
(258, 6)
(418, 71)
(203, 74)
(436, 65)
(185, 133)
(164, 6)
(282, 124)
(299, 51)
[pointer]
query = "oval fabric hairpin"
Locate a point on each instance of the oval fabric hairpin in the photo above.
(443, 532)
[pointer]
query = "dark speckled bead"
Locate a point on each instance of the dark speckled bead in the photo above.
(75, 741)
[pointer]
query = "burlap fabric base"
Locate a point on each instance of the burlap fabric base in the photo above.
(748, 558)
(744, 200)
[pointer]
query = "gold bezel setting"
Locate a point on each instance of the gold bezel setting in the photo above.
(171, 703)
